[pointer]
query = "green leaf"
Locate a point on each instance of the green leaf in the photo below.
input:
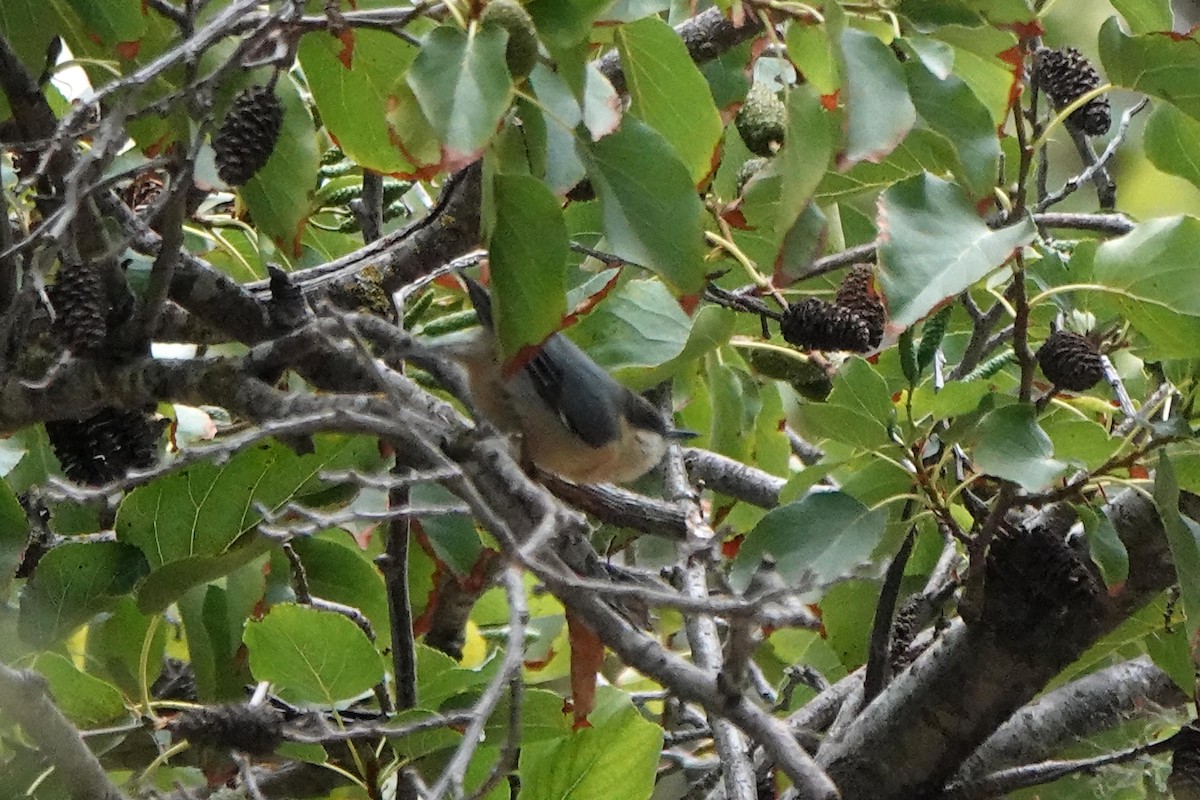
(1152, 272)
(816, 541)
(935, 246)
(74, 582)
(953, 110)
(921, 151)
(1106, 548)
(806, 153)
(810, 48)
(423, 743)
(858, 410)
(168, 582)
(28, 29)
(84, 699)
(279, 196)
(1167, 67)
(939, 12)
(872, 480)
(1183, 537)
(562, 114)
(711, 328)
(462, 83)
(1009, 444)
(955, 398)
(412, 132)
(1145, 16)
(314, 656)
(563, 25)
(846, 612)
(1080, 442)
(935, 56)
(879, 112)
(528, 247)
(341, 573)
(213, 642)
(453, 537)
(585, 764)
(735, 404)
(637, 327)
(354, 100)
(1172, 141)
(203, 509)
(1171, 653)
(982, 58)
(651, 212)
(668, 92)
(1002, 12)
(14, 536)
(114, 643)
(113, 22)
(440, 678)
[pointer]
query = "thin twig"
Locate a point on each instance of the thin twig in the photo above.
(451, 779)
(1095, 170)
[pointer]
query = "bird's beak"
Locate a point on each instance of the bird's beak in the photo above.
(680, 433)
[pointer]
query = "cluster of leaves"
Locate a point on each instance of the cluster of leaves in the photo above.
(910, 126)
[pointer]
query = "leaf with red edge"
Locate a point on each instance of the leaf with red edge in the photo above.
(463, 85)
(1145, 16)
(1163, 65)
(352, 91)
(669, 93)
(601, 104)
(810, 49)
(990, 62)
(651, 212)
(879, 111)
(587, 656)
(933, 246)
(411, 133)
(112, 22)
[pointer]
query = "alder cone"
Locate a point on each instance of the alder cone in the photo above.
(762, 121)
(248, 135)
(106, 445)
(256, 730)
(1066, 75)
(521, 53)
(817, 325)
(857, 293)
(80, 309)
(747, 171)
(1070, 361)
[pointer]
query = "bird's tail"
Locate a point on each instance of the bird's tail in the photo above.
(480, 299)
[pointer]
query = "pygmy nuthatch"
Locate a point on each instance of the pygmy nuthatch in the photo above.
(574, 419)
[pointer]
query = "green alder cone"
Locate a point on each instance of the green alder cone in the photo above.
(522, 52)
(762, 121)
(747, 171)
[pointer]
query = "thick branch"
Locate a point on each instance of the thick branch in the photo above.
(706, 36)
(916, 734)
(23, 698)
(1082, 708)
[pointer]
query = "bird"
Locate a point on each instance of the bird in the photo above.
(573, 418)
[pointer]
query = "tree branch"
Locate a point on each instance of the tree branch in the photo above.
(23, 697)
